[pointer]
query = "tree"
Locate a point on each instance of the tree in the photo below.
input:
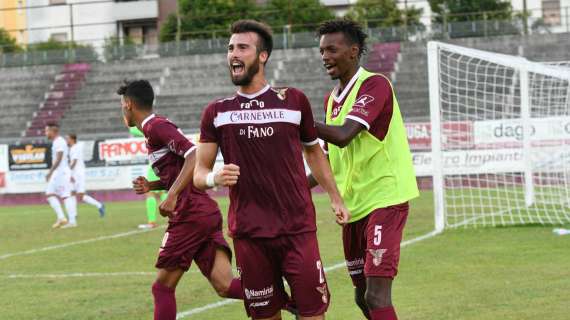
(202, 18)
(7, 43)
(303, 15)
(470, 10)
(384, 13)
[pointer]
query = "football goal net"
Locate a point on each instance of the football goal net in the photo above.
(500, 138)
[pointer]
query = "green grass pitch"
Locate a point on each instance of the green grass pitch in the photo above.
(486, 273)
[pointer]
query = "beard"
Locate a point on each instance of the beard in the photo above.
(249, 73)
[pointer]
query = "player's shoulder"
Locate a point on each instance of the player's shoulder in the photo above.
(378, 81)
(157, 124)
(376, 85)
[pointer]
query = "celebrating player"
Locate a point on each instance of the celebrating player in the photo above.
(77, 166)
(59, 180)
(370, 158)
(195, 223)
(262, 133)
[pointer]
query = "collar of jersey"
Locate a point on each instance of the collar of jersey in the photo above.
(346, 90)
(256, 94)
(147, 119)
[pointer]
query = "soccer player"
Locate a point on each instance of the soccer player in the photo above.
(194, 230)
(153, 197)
(262, 133)
(59, 180)
(371, 161)
(77, 166)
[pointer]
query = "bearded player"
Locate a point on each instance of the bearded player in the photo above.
(371, 161)
(262, 133)
(194, 230)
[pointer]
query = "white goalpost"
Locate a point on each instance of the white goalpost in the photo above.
(500, 138)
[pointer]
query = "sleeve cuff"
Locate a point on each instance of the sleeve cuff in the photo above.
(359, 120)
(311, 143)
(187, 153)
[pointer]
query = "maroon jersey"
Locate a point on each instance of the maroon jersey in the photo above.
(167, 149)
(262, 133)
(373, 107)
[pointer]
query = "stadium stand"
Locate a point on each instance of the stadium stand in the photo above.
(185, 84)
(58, 99)
(23, 89)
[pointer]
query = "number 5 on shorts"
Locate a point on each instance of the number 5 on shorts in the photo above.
(377, 235)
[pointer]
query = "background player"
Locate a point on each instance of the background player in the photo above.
(262, 133)
(77, 166)
(59, 180)
(370, 158)
(195, 222)
(153, 197)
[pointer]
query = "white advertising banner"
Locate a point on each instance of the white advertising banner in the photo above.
(511, 131)
(97, 178)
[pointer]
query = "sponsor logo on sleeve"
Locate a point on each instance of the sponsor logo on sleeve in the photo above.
(363, 100)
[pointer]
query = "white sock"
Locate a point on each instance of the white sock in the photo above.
(89, 200)
(56, 206)
(71, 208)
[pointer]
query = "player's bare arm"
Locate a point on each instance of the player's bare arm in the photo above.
(339, 135)
(204, 177)
(58, 157)
(141, 185)
(312, 181)
(321, 171)
(185, 176)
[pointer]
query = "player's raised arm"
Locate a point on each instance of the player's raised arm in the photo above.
(204, 177)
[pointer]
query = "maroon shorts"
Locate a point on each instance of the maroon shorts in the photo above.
(192, 240)
(263, 263)
(372, 244)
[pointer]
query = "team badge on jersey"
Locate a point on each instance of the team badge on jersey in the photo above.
(377, 255)
(281, 93)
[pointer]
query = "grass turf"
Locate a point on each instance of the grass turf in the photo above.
(489, 273)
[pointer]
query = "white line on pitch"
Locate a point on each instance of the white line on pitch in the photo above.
(224, 302)
(75, 243)
(80, 274)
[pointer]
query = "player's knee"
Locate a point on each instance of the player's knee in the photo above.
(377, 298)
(220, 284)
(222, 289)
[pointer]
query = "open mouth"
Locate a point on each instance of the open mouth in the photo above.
(237, 67)
(329, 67)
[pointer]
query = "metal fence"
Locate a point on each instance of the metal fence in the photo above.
(113, 51)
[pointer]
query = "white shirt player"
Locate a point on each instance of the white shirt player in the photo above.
(59, 145)
(76, 153)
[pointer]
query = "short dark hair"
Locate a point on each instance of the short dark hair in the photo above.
(140, 91)
(263, 31)
(73, 136)
(352, 32)
(52, 124)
